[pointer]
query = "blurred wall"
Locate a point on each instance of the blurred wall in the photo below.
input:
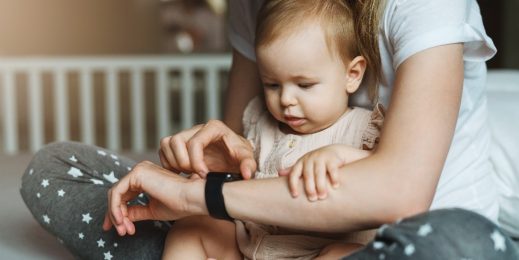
(79, 27)
(511, 32)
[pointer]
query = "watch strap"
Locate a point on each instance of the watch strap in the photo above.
(213, 193)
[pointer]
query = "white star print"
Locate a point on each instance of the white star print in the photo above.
(97, 182)
(117, 163)
(115, 245)
(499, 241)
(378, 245)
(61, 193)
(382, 257)
(31, 171)
(75, 172)
(81, 236)
(103, 153)
(100, 243)
(86, 218)
(73, 158)
(425, 230)
(114, 156)
(129, 168)
(409, 249)
(108, 256)
(45, 183)
(110, 177)
(38, 195)
(46, 219)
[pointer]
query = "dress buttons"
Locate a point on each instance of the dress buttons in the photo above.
(291, 143)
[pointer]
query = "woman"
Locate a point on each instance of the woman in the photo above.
(432, 152)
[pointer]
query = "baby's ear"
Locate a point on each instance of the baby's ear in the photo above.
(354, 73)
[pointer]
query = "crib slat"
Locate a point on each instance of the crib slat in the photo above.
(62, 125)
(162, 97)
(112, 105)
(87, 113)
(10, 112)
(212, 95)
(137, 104)
(35, 110)
(187, 87)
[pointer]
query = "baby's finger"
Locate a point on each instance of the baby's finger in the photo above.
(333, 174)
(320, 180)
(309, 179)
(293, 179)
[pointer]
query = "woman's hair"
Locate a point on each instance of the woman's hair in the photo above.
(350, 27)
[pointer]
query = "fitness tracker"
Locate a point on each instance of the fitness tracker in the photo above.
(213, 193)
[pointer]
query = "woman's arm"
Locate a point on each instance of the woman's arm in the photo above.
(398, 180)
(244, 84)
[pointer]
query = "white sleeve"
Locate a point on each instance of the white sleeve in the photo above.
(415, 25)
(242, 26)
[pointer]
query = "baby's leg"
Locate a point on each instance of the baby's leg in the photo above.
(201, 237)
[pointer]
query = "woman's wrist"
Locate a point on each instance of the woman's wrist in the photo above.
(194, 200)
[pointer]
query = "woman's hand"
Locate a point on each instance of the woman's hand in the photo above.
(208, 147)
(168, 197)
(319, 165)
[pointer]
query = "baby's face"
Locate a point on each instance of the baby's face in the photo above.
(304, 85)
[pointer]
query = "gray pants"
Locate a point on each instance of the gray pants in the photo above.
(65, 187)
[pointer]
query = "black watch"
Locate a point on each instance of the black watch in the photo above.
(213, 193)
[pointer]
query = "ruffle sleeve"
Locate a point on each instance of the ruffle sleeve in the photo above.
(371, 135)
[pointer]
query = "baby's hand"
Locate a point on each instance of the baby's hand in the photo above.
(320, 166)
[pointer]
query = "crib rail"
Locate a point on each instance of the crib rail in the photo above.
(170, 74)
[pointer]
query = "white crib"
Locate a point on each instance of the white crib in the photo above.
(48, 83)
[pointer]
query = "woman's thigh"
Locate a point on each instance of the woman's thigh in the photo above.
(440, 234)
(65, 187)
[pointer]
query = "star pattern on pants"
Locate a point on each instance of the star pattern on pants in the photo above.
(86, 218)
(100, 243)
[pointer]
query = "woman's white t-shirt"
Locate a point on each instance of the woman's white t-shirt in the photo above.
(408, 27)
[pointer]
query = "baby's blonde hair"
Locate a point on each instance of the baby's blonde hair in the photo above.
(350, 27)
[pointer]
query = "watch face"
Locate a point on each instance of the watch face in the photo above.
(233, 177)
(225, 176)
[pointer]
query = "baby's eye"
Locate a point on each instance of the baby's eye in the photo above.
(306, 85)
(271, 85)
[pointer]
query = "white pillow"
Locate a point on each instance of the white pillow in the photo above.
(503, 106)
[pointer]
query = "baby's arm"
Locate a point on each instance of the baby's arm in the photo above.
(318, 165)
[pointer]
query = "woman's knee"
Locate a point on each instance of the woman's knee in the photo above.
(441, 234)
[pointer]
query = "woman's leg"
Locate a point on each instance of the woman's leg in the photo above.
(65, 187)
(202, 237)
(440, 234)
